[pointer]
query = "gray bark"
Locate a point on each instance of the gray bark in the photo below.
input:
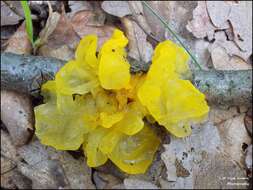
(27, 73)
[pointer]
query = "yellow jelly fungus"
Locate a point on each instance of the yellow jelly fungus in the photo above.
(173, 102)
(108, 120)
(62, 130)
(94, 155)
(114, 70)
(86, 52)
(133, 154)
(97, 104)
(132, 122)
(73, 79)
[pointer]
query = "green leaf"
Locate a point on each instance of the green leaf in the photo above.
(28, 20)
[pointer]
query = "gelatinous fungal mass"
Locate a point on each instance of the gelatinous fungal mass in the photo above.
(95, 102)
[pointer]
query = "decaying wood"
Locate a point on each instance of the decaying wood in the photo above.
(27, 73)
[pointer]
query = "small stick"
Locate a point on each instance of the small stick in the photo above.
(27, 74)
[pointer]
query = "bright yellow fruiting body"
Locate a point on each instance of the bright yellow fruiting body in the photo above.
(95, 102)
(173, 102)
(113, 69)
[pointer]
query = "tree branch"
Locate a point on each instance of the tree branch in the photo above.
(27, 73)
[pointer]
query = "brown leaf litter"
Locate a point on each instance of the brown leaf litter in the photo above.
(106, 181)
(63, 31)
(139, 48)
(205, 156)
(82, 26)
(58, 38)
(229, 25)
(8, 16)
(19, 42)
(116, 8)
(11, 178)
(48, 168)
(17, 115)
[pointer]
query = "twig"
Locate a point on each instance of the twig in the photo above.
(26, 73)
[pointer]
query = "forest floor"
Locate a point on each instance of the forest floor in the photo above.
(218, 153)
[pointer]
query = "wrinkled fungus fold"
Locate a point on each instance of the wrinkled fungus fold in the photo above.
(95, 103)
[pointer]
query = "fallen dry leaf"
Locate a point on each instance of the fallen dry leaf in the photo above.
(169, 160)
(220, 173)
(226, 55)
(10, 177)
(7, 166)
(59, 39)
(229, 24)
(188, 151)
(98, 17)
(248, 158)
(8, 17)
(222, 61)
(63, 52)
(156, 28)
(234, 135)
(202, 155)
(48, 168)
(110, 168)
(230, 46)
(139, 48)
(248, 121)
(8, 150)
(201, 52)
(19, 43)
(20, 181)
(201, 25)
(105, 181)
(80, 22)
(44, 175)
(8, 31)
(138, 14)
(116, 8)
(76, 170)
(177, 14)
(17, 116)
(218, 115)
(138, 184)
(16, 7)
(240, 17)
(241, 21)
(77, 6)
(119, 186)
(52, 20)
(218, 12)
(64, 34)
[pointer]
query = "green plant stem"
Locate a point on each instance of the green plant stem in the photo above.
(28, 20)
(173, 33)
